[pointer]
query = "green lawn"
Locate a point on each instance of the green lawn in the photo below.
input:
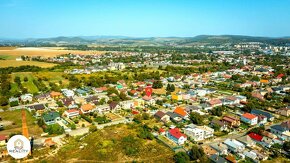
(6, 57)
(29, 84)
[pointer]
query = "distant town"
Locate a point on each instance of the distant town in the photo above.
(206, 102)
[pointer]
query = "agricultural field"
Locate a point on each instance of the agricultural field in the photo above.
(44, 51)
(13, 123)
(118, 143)
(8, 55)
(14, 63)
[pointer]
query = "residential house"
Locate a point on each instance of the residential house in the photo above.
(51, 117)
(93, 99)
(162, 116)
(258, 95)
(102, 109)
(234, 145)
(250, 119)
(282, 130)
(68, 102)
(114, 106)
(86, 108)
(250, 154)
(208, 150)
(14, 100)
(231, 158)
(247, 141)
(71, 113)
(129, 104)
(174, 117)
(256, 137)
(38, 108)
(222, 149)
(42, 97)
(175, 135)
(267, 142)
(222, 126)
(284, 111)
(67, 92)
(3, 140)
(148, 100)
(262, 120)
(269, 116)
(231, 121)
(217, 159)
(176, 96)
(230, 100)
(181, 112)
(198, 133)
(26, 97)
(215, 102)
(138, 103)
(241, 98)
(54, 94)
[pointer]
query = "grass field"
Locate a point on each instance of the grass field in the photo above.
(114, 144)
(53, 77)
(16, 126)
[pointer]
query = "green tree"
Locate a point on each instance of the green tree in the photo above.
(54, 129)
(286, 146)
(196, 152)
(196, 118)
(25, 79)
(157, 84)
(181, 157)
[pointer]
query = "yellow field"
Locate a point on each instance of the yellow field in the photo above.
(14, 63)
(43, 51)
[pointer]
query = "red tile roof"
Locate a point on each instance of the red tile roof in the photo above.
(280, 76)
(249, 116)
(2, 137)
(146, 98)
(87, 107)
(72, 110)
(215, 101)
(180, 111)
(176, 133)
(255, 136)
(161, 130)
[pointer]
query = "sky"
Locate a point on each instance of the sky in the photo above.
(143, 18)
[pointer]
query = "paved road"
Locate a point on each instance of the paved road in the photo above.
(122, 120)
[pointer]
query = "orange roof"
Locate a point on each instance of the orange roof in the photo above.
(264, 81)
(54, 94)
(249, 116)
(87, 107)
(180, 111)
(49, 142)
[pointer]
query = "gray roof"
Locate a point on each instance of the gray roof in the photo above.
(217, 159)
(260, 112)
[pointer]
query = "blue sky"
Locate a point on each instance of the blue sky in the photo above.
(143, 18)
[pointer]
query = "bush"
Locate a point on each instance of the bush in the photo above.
(88, 119)
(93, 128)
(54, 129)
(14, 103)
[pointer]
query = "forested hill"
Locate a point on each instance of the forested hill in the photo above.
(145, 41)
